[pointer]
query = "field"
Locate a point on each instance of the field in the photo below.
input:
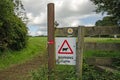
(37, 46)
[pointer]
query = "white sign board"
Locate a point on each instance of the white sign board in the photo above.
(65, 50)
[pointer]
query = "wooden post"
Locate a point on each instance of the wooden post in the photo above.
(51, 42)
(79, 55)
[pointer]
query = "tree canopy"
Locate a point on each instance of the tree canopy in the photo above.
(107, 21)
(13, 31)
(112, 7)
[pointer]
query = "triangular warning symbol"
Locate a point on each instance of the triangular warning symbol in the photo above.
(65, 48)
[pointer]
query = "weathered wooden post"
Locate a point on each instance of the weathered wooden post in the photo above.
(51, 42)
(79, 57)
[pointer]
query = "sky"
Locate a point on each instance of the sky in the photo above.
(68, 13)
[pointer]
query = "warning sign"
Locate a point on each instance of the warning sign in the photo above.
(65, 50)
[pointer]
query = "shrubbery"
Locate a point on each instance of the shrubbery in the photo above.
(13, 32)
(68, 73)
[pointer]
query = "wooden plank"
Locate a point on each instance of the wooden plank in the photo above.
(62, 32)
(89, 31)
(102, 46)
(103, 61)
(104, 30)
(79, 54)
(106, 68)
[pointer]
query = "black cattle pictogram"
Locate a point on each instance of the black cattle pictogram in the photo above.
(64, 49)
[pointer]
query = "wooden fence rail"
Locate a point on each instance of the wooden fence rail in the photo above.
(104, 30)
(89, 31)
(102, 46)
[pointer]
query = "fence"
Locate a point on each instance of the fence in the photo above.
(102, 46)
(89, 31)
(92, 31)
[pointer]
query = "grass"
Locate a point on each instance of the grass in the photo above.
(36, 46)
(102, 40)
(98, 53)
(66, 72)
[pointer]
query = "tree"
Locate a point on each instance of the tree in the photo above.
(107, 21)
(112, 7)
(13, 32)
(20, 11)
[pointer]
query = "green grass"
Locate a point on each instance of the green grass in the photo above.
(102, 40)
(98, 53)
(36, 46)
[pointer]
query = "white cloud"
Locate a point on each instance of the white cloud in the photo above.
(75, 23)
(73, 8)
(88, 25)
(39, 33)
(32, 33)
(39, 19)
(67, 12)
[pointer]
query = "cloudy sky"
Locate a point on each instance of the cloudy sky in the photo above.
(68, 13)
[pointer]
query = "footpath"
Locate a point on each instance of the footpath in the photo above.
(22, 71)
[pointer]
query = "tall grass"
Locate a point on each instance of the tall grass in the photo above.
(36, 46)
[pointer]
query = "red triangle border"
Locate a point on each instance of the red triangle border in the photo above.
(59, 51)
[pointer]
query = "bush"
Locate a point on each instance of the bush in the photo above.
(40, 74)
(116, 63)
(13, 32)
(18, 37)
(90, 73)
(64, 72)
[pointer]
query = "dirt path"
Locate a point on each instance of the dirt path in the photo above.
(22, 71)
